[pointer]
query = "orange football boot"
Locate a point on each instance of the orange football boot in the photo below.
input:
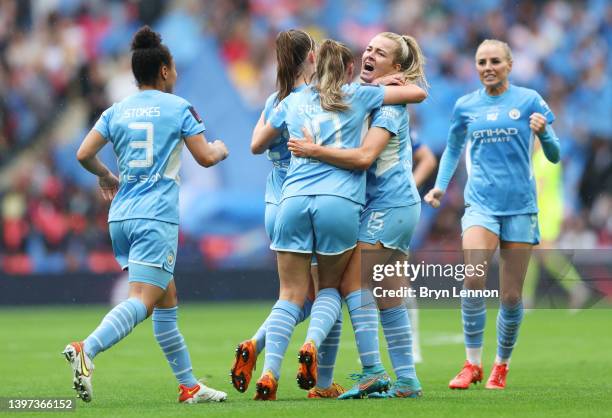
(497, 379)
(307, 370)
(266, 387)
(470, 373)
(244, 364)
(331, 392)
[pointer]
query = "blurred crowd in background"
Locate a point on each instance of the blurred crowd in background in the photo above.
(69, 60)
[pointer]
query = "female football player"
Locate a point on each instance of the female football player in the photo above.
(320, 204)
(499, 122)
(387, 222)
(147, 131)
(295, 53)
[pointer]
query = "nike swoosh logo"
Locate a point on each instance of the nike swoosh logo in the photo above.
(194, 390)
(84, 369)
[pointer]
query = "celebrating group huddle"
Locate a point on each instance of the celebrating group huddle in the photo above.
(341, 183)
(321, 131)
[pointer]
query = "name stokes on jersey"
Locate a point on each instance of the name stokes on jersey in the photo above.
(146, 130)
(139, 112)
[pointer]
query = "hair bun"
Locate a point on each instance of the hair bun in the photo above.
(146, 38)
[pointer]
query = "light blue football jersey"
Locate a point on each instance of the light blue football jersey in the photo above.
(307, 176)
(147, 131)
(499, 149)
(277, 153)
(390, 182)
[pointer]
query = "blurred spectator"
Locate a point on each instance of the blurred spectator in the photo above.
(55, 52)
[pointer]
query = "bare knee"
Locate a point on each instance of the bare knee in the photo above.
(294, 292)
(510, 298)
(474, 283)
(146, 300)
(348, 285)
(293, 295)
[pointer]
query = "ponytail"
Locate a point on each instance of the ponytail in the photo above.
(414, 64)
(292, 48)
(409, 56)
(332, 62)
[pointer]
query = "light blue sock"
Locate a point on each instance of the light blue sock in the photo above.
(474, 315)
(306, 310)
(260, 335)
(115, 326)
(172, 343)
(325, 312)
(327, 355)
(396, 326)
(364, 316)
(280, 326)
(509, 321)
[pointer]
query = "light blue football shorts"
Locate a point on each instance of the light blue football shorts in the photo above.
(510, 228)
(146, 248)
(392, 227)
(270, 218)
(325, 224)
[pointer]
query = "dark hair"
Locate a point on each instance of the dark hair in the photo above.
(292, 48)
(148, 55)
(332, 62)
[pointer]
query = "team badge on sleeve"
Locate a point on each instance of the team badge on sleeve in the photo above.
(514, 114)
(195, 114)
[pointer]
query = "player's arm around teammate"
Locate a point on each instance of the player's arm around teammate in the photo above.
(312, 201)
(264, 133)
(388, 219)
(295, 54)
(499, 122)
(146, 130)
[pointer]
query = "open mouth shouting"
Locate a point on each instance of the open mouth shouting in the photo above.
(367, 71)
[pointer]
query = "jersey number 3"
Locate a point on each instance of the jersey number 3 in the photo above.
(147, 145)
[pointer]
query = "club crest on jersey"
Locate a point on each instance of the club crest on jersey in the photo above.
(514, 114)
(170, 259)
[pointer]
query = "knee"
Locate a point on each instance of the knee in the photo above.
(295, 295)
(150, 307)
(474, 283)
(325, 283)
(348, 286)
(148, 302)
(388, 303)
(510, 298)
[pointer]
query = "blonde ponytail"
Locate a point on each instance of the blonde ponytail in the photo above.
(332, 62)
(409, 56)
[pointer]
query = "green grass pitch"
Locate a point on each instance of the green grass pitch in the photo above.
(562, 366)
